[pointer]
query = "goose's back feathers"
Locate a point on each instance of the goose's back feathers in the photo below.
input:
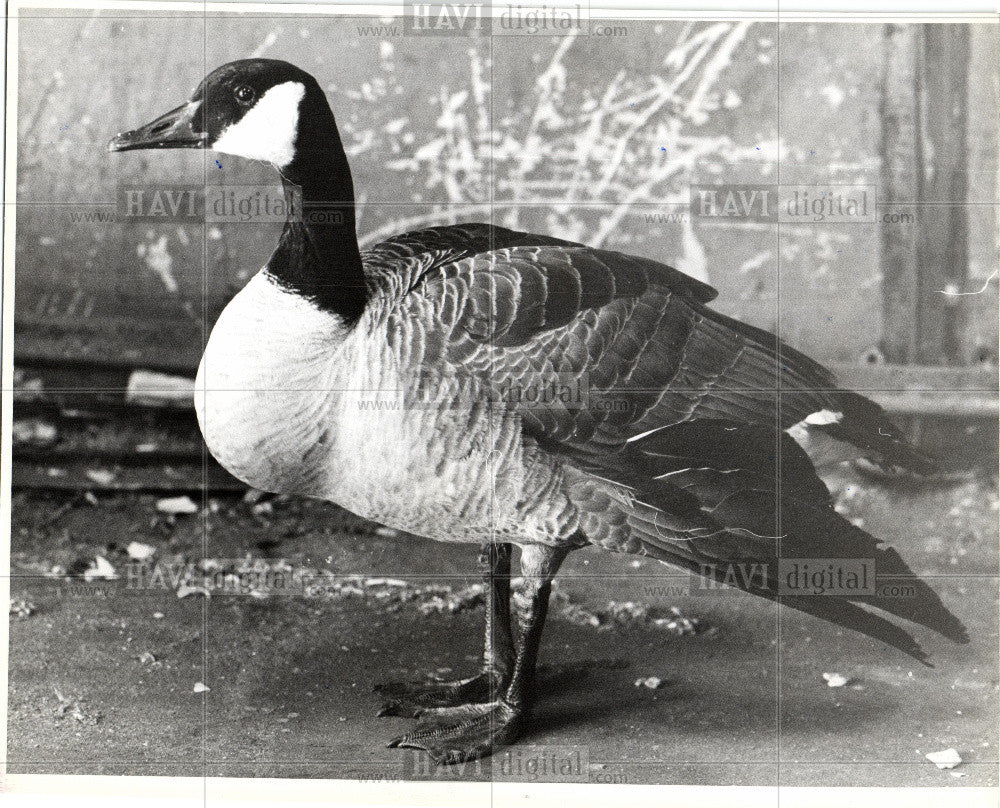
(515, 308)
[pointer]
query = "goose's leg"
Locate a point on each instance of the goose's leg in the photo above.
(470, 731)
(409, 699)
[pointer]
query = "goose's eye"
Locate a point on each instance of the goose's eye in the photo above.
(245, 95)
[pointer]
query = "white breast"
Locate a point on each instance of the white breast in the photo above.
(291, 402)
(265, 384)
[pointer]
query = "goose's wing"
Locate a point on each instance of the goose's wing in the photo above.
(410, 259)
(616, 364)
(631, 335)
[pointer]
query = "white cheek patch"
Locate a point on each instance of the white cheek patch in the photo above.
(267, 132)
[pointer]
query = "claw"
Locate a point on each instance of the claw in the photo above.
(409, 699)
(398, 709)
(463, 732)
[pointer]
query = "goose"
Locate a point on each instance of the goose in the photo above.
(469, 383)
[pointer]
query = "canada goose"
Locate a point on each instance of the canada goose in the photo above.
(393, 382)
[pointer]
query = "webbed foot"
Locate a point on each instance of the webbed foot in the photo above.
(464, 732)
(409, 699)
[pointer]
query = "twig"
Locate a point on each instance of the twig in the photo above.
(963, 294)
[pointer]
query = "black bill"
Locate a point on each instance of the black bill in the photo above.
(174, 130)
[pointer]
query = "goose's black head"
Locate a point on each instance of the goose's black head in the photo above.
(268, 110)
(261, 109)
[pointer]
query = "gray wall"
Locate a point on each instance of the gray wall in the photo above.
(585, 138)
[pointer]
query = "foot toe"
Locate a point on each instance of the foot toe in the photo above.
(398, 708)
(404, 699)
(463, 732)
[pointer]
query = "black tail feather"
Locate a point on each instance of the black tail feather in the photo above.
(833, 609)
(866, 425)
(751, 508)
(807, 387)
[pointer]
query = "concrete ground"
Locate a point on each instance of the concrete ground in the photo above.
(103, 674)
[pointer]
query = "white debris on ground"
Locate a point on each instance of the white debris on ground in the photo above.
(25, 388)
(139, 551)
(652, 682)
(176, 506)
(253, 496)
(624, 615)
(945, 759)
(263, 509)
(33, 432)
(73, 708)
(200, 687)
(186, 589)
(393, 594)
(100, 569)
(453, 602)
(100, 476)
(159, 389)
(261, 578)
(836, 679)
(21, 607)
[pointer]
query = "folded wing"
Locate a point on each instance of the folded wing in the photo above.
(675, 414)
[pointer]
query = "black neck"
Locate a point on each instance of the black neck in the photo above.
(318, 255)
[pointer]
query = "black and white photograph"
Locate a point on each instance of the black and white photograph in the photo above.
(459, 403)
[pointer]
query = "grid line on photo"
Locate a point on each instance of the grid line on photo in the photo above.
(778, 431)
(206, 329)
